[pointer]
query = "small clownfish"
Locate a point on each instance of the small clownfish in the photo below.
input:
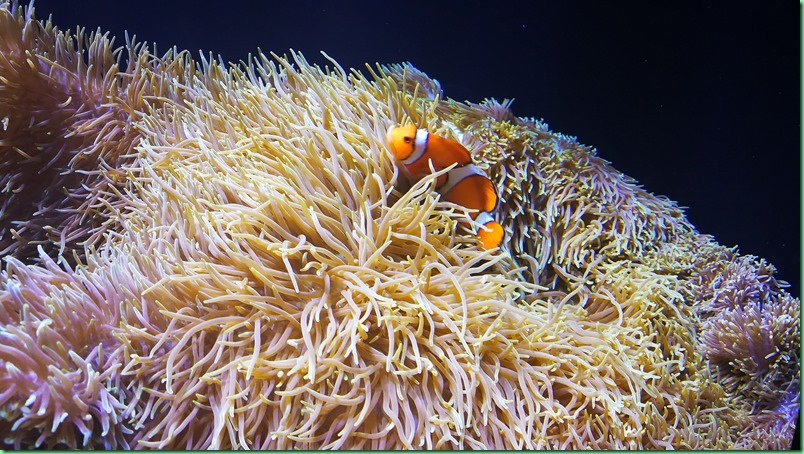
(464, 185)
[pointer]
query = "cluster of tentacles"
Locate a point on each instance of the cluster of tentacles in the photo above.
(200, 255)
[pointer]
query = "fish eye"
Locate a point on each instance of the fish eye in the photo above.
(407, 139)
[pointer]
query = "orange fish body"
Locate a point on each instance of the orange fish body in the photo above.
(417, 149)
(463, 185)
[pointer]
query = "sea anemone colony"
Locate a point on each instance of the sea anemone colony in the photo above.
(201, 255)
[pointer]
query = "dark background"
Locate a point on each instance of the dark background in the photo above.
(697, 100)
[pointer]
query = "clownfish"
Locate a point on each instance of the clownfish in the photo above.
(463, 185)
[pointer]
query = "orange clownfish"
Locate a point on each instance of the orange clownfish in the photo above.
(464, 185)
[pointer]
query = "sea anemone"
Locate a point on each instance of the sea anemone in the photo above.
(562, 205)
(261, 276)
(59, 132)
(755, 350)
(750, 331)
(60, 373)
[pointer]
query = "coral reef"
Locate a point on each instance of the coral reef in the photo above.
(201, 256)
